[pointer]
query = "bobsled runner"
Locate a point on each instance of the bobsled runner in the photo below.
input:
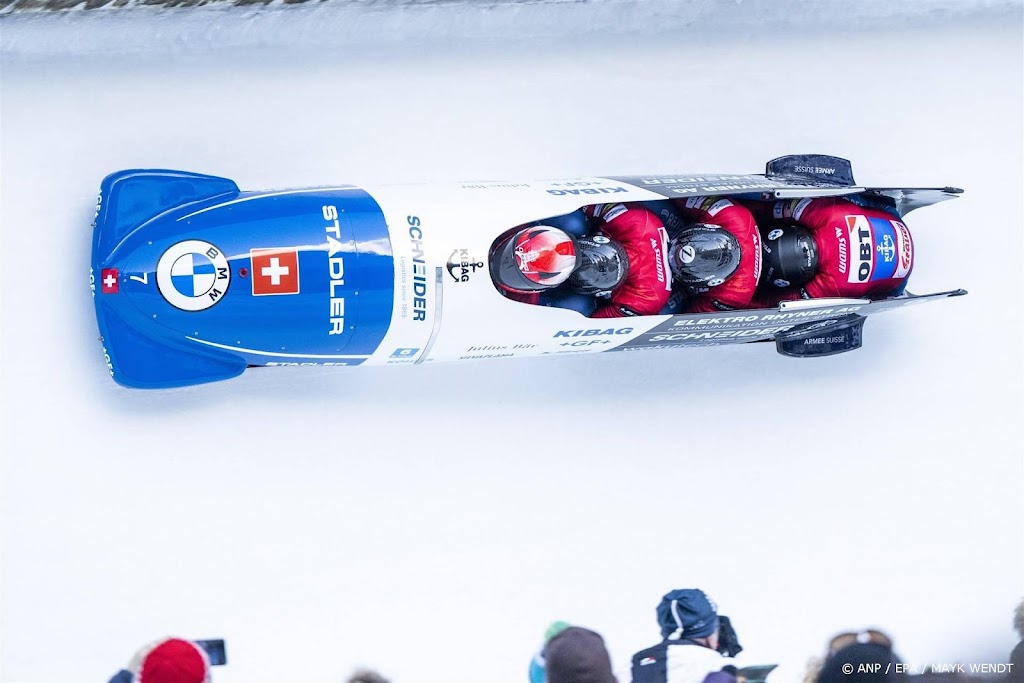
(194, 280)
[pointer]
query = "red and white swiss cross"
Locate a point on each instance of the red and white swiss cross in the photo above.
(274, 271)
(109, 281)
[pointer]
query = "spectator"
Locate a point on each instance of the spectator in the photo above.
(571, 654)
(169, 660)
(1017, 656)
(366, 676)
(691, 650)
(860, 657)
(812, 669)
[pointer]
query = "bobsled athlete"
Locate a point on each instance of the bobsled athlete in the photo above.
(618, 269)
(831, 247)
(714, 253)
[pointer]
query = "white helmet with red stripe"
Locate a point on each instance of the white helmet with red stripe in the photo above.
(534, 259)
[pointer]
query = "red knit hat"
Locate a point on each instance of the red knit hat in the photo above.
(171, 660)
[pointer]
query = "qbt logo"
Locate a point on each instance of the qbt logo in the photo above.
(862, 243)
(193, 275)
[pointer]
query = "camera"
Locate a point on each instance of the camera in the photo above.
(215, 651)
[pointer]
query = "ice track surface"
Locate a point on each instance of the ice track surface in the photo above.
(431, 521)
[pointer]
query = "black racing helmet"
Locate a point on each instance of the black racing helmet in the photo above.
(534, 259)
(790, 256)
(602, 265)
(704, 255)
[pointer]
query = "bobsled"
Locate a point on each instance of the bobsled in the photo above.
(195, 280)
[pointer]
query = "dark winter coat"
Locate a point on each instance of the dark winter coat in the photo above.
(679, 661)
(1017, 660)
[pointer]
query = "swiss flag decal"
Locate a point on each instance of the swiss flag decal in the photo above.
(274, 271)
(109, 282)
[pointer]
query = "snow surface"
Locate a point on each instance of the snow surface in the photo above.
(431, 521)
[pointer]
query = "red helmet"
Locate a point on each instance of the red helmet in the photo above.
(534, 259)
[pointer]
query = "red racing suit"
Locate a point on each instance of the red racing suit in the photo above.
(648, 282)
(863, 253)
(738, 289)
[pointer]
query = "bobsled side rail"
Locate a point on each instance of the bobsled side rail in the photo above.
(906, 199)
(798, 191)
(908, 299)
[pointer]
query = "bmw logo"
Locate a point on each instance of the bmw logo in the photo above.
(193, 275)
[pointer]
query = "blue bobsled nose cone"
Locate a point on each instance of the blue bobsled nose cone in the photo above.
(128, 201)
(210, 280)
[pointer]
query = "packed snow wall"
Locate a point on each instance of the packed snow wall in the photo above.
(142, 26)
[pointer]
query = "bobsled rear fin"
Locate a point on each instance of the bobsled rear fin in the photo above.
(822, 337)
(142, 362)
(130, 198)
(815, 168)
